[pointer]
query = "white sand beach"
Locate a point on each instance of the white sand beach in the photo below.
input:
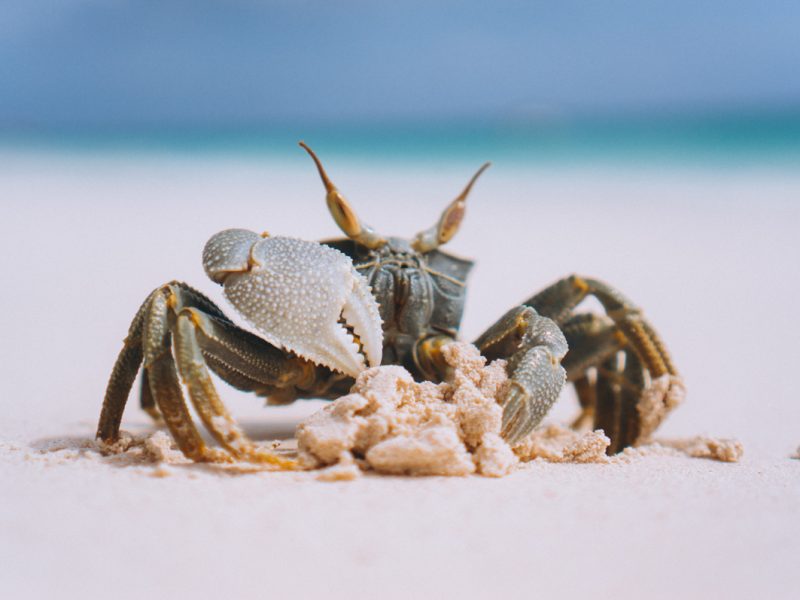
(710, 254)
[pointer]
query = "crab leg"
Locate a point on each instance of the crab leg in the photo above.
(122, 377)
(163, 379)
(146, 400)
(592, 338)
(559, 300)
(149, 339)
(203, 338)
(608, 377)
(624, 377)
(534, 346)
(195, 374)
(619, 386)
(130, 359)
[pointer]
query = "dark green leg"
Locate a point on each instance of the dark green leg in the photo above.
(591, 339)
(146, 400)
(189, 297)
(203, 394)
(163, 378)
(200, 332)
(622, 372)
(122, 377)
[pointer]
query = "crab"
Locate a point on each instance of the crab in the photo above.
(321, 313)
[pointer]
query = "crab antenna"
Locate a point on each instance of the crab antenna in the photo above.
(449, 222)
(342, 212)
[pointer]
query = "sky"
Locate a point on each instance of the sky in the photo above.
(146, 62)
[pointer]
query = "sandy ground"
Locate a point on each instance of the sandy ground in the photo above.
(710, 255)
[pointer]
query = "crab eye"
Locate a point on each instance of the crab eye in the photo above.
(343, 213)
(344, 216)
(449, 222)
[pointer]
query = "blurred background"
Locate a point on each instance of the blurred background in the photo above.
(518, 80)
(653, 144)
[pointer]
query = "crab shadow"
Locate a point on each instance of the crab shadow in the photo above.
(66, 449)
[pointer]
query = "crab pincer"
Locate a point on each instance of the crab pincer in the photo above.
(534, 346)
(301, 296)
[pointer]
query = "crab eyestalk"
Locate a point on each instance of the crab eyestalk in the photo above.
(449, 222)
(343, 213)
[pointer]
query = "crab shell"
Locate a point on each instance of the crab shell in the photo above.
(301, 296)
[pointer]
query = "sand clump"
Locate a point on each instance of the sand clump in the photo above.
(393, 425)
(345, 469)
(157, 448)
(558, 444)
(722, 449)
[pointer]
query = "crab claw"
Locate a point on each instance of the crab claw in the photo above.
(301, 296)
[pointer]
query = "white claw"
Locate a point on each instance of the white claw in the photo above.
(298, 293)
(361, 312)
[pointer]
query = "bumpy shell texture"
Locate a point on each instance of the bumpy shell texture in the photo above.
(302, 296)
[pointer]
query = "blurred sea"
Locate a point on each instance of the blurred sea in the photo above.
(771, 140)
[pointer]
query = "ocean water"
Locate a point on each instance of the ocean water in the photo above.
(720, 140)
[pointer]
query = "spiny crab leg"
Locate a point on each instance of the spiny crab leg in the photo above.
(169, 317)
(194, 372)
(635, 384)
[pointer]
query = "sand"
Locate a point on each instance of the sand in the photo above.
(401, 427)
(707, 253)
(397, 426)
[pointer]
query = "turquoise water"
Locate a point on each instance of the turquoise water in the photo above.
(726, 140)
